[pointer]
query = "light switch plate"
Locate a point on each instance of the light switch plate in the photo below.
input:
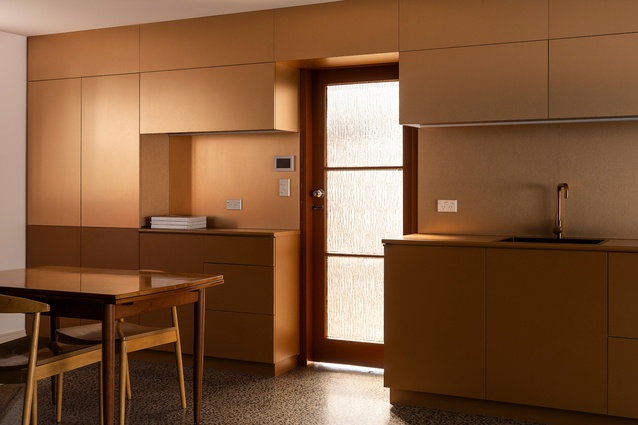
(284, 187)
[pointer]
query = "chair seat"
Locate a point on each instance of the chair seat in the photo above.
(92, 334)
(14, 355)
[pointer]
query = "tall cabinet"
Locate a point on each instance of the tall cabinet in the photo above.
(83, 148)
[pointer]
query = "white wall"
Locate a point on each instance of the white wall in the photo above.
(13, 104)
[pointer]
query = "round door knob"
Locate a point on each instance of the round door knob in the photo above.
(319, 193)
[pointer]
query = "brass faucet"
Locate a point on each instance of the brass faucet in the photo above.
(558, 225)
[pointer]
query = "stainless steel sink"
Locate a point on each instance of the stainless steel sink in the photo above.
(579, 241)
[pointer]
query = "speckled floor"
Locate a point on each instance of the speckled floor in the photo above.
(318, 394)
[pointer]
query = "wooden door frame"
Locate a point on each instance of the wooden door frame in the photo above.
(410, 160)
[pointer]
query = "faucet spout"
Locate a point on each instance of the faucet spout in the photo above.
(558, 224)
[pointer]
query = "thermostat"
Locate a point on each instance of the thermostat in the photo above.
(285, 163)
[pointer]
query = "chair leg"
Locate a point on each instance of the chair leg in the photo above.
(58, 398)
(30, 406)
(129, 395)
(34, 404)
(178, 355)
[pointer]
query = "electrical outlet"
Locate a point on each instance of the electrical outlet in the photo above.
(443, 205)
(284, 187)
(233, 204)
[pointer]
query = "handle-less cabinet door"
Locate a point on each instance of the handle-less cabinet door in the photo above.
(577, 18)
(593, 76)
(435, 320)
(110, 151)
(435, 24)
(505, 82)
(337, 29)
(53, 154)
(546, 328)
(255, 97)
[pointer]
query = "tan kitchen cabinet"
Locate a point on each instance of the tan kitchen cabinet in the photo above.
(592, 77)
(257, 310)
(623, 377)
(434, 320)
(338, 29)
(110, 151)
(623, 332)
(210, 41)
(434, 24)
(577, 18)
(505, 82)
(54, 151)
(83, 53)
(547, 328)
(229, 98)
(83, 156)
(252, 320)
(623, 295)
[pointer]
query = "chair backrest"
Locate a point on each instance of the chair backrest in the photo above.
(9, 304)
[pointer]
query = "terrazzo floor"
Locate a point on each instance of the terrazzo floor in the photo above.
(318, 394)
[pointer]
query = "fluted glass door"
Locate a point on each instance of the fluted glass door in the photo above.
(362, 199)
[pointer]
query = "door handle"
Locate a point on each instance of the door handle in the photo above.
(318, 193)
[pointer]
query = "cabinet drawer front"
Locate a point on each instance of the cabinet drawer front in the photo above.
(171, 253)
(254, 251)
(240, 336)
(246, 289)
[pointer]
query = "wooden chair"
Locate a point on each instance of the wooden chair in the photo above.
(129, 338)
(28, 359)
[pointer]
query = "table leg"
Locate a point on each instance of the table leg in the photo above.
(108, 363)
(54, 324)
(198, 357)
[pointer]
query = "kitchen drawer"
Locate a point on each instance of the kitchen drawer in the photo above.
(257, 251)
(171, 252)
(246, 289)
(240, 336)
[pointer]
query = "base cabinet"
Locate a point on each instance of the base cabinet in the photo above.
(546, 328)
(623, 377)
(623, 333)
(252, 320)
(434, 320)
(513, 330)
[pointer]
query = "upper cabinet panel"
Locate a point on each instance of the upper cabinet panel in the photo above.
(503, 82)
(343, 28)
(593, 76)
(54, 146)
(574, 18)
(83, 53)
(228, 98)
(211, 41)
(110, 151)
(430, 24)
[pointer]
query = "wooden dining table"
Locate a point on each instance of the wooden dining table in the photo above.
(108, 295)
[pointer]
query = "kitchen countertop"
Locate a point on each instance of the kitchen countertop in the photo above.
(495, 241)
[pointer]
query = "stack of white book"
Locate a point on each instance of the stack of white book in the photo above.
(182, 222)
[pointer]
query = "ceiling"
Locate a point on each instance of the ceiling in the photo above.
(37, 17)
